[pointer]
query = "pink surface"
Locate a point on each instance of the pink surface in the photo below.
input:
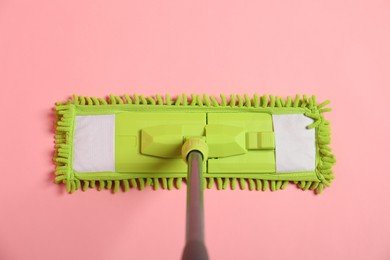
(338, 50)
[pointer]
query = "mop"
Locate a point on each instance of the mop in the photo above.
(251, 142)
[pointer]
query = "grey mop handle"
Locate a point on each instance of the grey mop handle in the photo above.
(195, 248)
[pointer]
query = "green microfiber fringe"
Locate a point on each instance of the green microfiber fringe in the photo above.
(326, 159)
(63, 152)
(65, 113)
(235, 100)
(172, 183)
(175, 183)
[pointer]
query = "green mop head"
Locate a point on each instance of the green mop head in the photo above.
(259, 143)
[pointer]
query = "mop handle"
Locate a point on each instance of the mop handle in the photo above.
(195, 248)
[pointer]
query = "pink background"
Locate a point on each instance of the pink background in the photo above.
(338, 50)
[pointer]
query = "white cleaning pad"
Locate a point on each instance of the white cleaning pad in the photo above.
(295, 145)
(94, 140)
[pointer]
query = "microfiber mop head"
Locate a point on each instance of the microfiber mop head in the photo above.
(259, 142)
